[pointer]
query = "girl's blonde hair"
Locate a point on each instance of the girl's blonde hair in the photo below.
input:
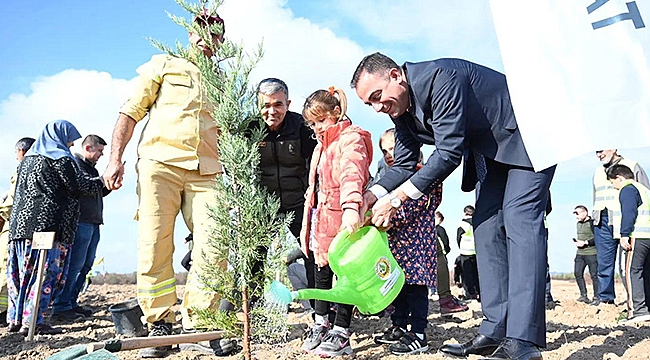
(323, 102)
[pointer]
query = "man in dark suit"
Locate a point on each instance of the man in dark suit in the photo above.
(464, 109)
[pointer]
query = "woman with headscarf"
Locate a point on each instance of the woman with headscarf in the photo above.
(47, 199)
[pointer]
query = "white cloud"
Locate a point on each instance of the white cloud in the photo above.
(432, 29)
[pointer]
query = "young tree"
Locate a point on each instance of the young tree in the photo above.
(245, 216)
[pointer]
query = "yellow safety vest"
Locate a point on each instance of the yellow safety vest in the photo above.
(606, 197)
(466, 245)
(642, 223)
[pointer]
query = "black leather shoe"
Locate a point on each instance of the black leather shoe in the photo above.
(479, 345)
(515, 350)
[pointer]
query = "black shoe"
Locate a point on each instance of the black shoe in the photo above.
(391, 336)
(479, 345)
(597, 302)
(515, 349)
(159, 328)
(550, 305)
(67, 316)
(12, 328)
(41, 329)
(3, 319)
(584, 299)
(83, 311)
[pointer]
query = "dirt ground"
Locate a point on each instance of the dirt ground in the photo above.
(574, 331)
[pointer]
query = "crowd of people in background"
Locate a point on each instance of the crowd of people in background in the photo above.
(318, 164)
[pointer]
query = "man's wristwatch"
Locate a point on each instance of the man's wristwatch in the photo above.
(395, 201)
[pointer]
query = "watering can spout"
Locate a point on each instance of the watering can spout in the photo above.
(341, 293)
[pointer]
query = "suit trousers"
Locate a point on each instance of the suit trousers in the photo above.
(511, 244)
(163, 191)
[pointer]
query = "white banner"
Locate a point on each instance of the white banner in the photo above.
(578, 74)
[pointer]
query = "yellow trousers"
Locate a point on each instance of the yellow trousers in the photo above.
(163, 191)
(4, 255)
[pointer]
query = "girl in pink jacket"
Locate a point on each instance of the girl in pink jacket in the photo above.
(338, 175)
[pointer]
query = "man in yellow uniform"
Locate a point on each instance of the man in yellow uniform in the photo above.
(7, 203)
(177, 167)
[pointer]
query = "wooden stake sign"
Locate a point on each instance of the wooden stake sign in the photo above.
(42, 241)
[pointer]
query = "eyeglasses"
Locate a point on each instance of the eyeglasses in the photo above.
(575, 213)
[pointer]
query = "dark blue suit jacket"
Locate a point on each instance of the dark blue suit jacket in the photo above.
(461, 108)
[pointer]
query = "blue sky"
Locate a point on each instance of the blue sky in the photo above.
(74, 60)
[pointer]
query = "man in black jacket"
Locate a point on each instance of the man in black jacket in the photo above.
(464, 109)
(84, 248)
(285, 155)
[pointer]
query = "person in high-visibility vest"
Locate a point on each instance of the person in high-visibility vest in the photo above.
(465, 239)
(606, 216)
(634, 200)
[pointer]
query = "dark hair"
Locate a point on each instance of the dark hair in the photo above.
(205, 19)
(25, 143)
(93, 140)
(620, 170)
(376, 63)
(469, 210)
(388, 131)
(581, 207)
(439, 214)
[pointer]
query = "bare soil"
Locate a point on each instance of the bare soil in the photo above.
(574, 331)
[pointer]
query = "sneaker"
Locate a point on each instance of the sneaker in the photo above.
(41, 329)
(67, 316)
(221, 347)
(636, 319)
(314, 336)
(83, 311)
(584, 299)
(409, 344)
(391, 336)
(450, 304)
(335, 343)
(159, 328)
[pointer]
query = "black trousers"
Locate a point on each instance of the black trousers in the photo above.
(323, 276)
(411, 307)
(470, 276)
(581, 262)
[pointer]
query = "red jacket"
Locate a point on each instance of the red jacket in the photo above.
(340, 162)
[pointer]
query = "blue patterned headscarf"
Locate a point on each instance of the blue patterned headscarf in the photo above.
(53, 141)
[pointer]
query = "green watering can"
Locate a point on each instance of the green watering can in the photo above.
(368, 274)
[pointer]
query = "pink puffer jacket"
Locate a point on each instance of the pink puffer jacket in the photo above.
(342, 159)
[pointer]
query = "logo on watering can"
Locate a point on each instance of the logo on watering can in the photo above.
(382, 268)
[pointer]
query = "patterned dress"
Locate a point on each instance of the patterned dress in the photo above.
(47, 199)
(412, 238)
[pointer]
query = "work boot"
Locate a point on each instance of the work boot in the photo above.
(159, 328)
(450, 304)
